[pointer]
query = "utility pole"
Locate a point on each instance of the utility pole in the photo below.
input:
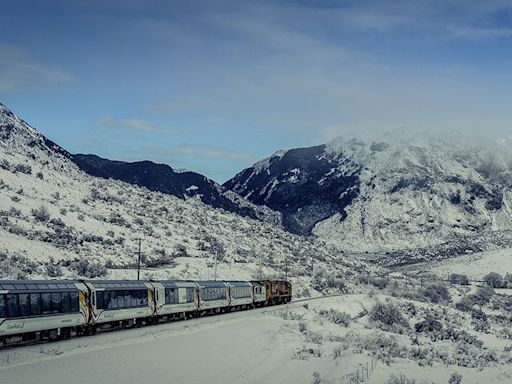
(139, 259)
(215, 273)
(260, 267)
(286, 267)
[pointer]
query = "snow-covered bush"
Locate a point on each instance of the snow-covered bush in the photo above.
(436, 293)
(481, 297)
(160, 258)
(23, 168)
(455, 378)
(458, 278)
(401, 379)
(88, 269)
(388, 317)
(337, 317)
(53, 269)
(41, 214)
(428, 325)
(493, 280)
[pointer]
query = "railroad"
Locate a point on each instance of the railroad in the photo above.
(39, 311)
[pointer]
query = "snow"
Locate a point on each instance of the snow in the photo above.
(257, 346)
(476, 265)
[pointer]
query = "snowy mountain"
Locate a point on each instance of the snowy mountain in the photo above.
(182, 184)
(402, 191)
(58, 221)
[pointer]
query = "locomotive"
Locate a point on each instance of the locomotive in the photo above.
(34, 310)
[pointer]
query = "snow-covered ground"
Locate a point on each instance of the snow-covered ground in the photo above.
(475, 266)
(285, 344)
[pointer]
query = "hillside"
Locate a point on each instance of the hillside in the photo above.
(57, 221)
(401, 192)
(182, 184)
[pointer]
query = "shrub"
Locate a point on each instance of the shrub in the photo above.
(90, 270)
(480, 298)
(40, 175)
(53, 270)
(429, 325)
(337, 317)
(41, 214)
(159, 259)
(400, 380)
(63, 211)
(437, 293)
(494, 280)
(23, 168)
(116, 218)
(181, 251)
(388, 317)
(455, 378)
(458, 278)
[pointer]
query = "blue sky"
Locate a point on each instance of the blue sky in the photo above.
(215, 85)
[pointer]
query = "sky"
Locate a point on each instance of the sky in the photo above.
(214, 86)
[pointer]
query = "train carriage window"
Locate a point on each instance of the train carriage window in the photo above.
(114, 303)
(2, 306)
(56, 302)
(100, 302)
(190, 295)
(24, 299)
(12, 304)
(107, 297)
(145, 298)
(35, 304)
(133, 299)
(75, 304)
(140, 298)
(120, 299)
(46, 303)
(171, 296)
(66, 302)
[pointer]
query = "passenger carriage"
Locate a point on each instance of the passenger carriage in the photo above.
(42, 309)
(175, 297)
(120, 301)
(213, 295)
(240, 294)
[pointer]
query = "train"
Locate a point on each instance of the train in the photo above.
(39, 310)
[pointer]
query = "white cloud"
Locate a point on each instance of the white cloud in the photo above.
(211, 152)
(18, 71)
(139, 125)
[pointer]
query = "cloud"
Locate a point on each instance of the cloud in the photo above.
(139, 125)
(479, 34)
(210, 152)
(18, 71)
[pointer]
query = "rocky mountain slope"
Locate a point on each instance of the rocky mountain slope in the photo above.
(403, 191)
(58, 221)
(182, 184)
